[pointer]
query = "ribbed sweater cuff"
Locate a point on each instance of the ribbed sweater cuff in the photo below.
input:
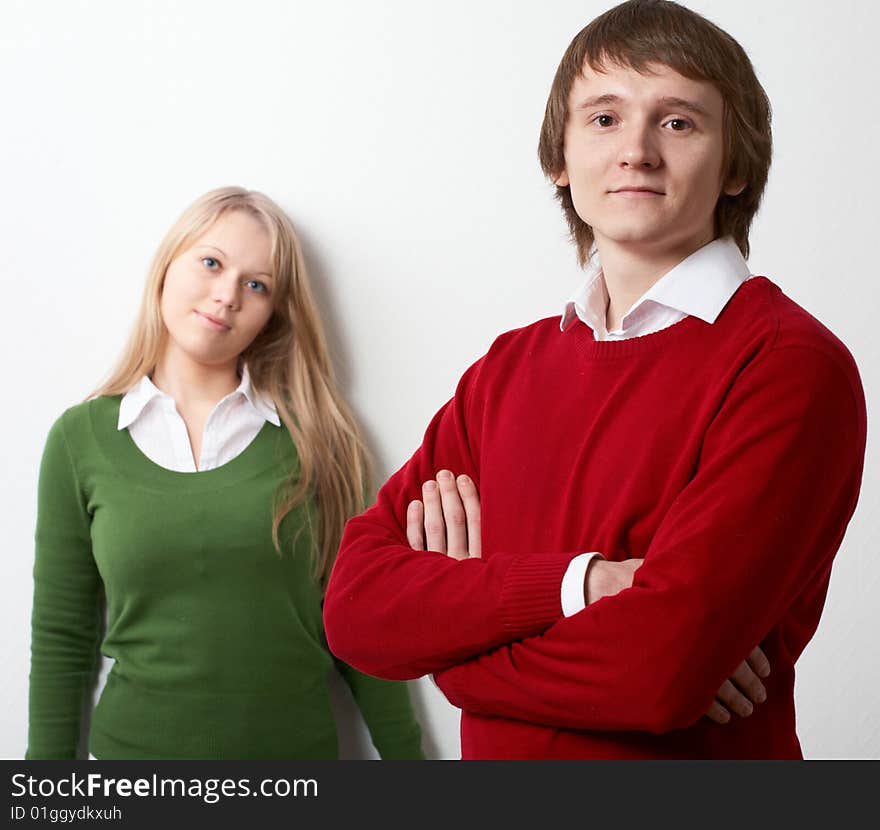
(531, 598)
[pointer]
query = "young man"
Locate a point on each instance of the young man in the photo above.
(683, 420)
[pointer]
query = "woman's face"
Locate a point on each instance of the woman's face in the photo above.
(217, 294)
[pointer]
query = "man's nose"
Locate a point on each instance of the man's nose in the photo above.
(638, 147)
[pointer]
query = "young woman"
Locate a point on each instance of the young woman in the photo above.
(201, 492)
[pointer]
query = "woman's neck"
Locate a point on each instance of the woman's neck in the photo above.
(194, 385)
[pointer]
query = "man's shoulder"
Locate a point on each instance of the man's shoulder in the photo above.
(512, 352)
(526, 338)
(796, 328)
(768, 320)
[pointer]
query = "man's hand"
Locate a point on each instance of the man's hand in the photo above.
(738, 694)
(748, 689)
(605, 579)
(447, 519)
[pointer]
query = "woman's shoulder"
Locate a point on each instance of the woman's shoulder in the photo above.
(79, 414)
(86, 418)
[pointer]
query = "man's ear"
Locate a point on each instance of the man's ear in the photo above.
(734, 188)
(561, 180)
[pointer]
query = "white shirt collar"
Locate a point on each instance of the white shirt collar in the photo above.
(264, 406)
(144, 392)
(699, 286)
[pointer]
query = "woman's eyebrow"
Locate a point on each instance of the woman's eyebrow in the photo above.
(223, 253)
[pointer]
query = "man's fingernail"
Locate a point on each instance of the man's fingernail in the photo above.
(445, 475)
(430, 485)
(761, 696)
(464, 480)
(748, 709)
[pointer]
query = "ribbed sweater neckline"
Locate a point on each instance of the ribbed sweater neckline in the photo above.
(594, 349)
(120, 450)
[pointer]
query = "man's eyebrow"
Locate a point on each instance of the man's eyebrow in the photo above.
(223, 253)
(598, 101)
(685, 104)
(668, 101)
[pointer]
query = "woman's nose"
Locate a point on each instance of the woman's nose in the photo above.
(227, 290)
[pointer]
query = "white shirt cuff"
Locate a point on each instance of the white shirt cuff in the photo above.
(573, 584)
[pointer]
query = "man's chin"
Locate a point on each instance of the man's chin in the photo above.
(633, 237)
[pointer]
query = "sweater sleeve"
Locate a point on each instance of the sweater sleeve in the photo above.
(66, 605)
(388, 713)
(748, 541)
(397, 613)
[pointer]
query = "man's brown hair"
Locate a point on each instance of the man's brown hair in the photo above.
(641, 32)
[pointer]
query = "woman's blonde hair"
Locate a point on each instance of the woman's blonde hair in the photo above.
(288, 362)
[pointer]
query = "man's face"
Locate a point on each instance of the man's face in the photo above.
(643, 156)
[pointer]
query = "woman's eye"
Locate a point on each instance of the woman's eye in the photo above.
(210, 262)
(256, 285)
(604, 120)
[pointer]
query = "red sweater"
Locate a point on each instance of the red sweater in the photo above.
(729, 456)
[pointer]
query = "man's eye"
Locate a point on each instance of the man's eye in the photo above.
(210, 262)
(679, 125)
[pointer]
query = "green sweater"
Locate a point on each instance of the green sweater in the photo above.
(217, 638)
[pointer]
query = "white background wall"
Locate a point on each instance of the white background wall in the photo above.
(401, 137)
